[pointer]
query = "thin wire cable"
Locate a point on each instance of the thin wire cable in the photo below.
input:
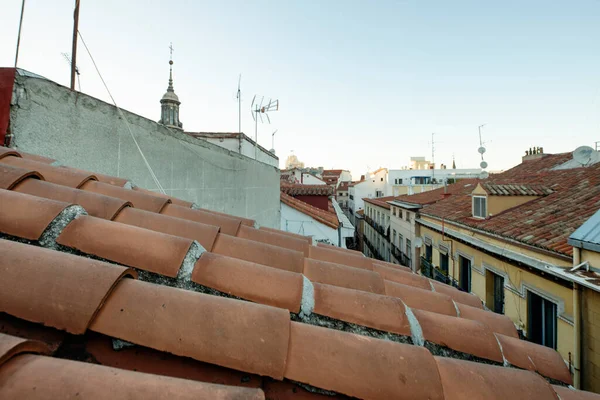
(152, 174)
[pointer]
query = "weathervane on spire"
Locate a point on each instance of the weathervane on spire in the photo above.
(171, 50)
(170, 102)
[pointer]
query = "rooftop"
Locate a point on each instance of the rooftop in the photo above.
(297, 189)
(170, 298)
(379, 201)
(328, 218)
(587, 236)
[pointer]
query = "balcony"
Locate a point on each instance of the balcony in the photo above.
(431, 271)
(400, 256)
(372, 248)
(379, 228)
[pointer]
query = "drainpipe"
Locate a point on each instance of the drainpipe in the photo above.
(577, 332)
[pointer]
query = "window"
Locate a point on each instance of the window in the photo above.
(396, 181)
(408, 253)
(495, 292)
(400, 240)
(407, 215)
(400, 181)
(444, 263)
(381, 179)
(479, 206)
(465, 273)
(394, 236)
(541, 320)
(428, 252)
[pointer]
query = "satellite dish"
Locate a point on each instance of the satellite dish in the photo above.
(481, 150)
(483, 164)
(583, 154)
(484, 175)
(418, 242)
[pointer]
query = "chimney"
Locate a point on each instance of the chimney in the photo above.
(534, 153)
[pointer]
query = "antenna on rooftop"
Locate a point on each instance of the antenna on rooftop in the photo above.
(583, 155)
(68, 59)
(481, 150)
(257, 111)
(273, 141)
(239, 99)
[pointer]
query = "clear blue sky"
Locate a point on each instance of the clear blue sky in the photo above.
(361, 84)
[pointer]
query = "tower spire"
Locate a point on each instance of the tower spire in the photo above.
(169, 104)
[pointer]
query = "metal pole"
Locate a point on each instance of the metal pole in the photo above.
(74, 50)
(256, 135)
(19, 35)
(239, 105)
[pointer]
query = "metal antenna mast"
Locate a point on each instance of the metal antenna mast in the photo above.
(432, 158)
(68, 58)
(257, 112)
(239, 99)
(273, 139)
(74, 51)
(481, 150)
(19, 34)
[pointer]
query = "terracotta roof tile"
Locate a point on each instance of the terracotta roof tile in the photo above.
(228, 225)
(459, 334)
(62, 175)
(340, 249)
(249, 281)
(497, 323)
(334, 256)
(96, 205)
(39, 377)
(516, 189)
(36, 157)
(534, 357)
(328, 218)
(468, 380)
(343, 276)
(244, 221)
(11, 346)
(571, 394)
(52, 338)
(380, 201)
(293, 189)
(202, 233)
(138, 199)
(125, 244)
(26, 216)
(365, 367)
(56, 289)
(174, 200)
(10, 176)
(421, 298)
(457, 295)
(273, 238)
(6, 152)
(308, 239)
(400, 276)
(260, 253)
(363, 308)
(226, 332)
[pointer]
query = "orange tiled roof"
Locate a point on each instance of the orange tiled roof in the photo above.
(571, 196)
(242, 306)
(328, 218)
(516, 189)
(343, 187)
(380, 201)
(306, 190)
(432, 196)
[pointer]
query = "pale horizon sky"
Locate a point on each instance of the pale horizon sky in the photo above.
(361, 85)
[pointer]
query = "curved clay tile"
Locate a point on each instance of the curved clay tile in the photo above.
(457, 295)
(534, 357)
(355, 306)
(96, 205)
(52, 338)
(459, 334)
(56, 289)
(8, 152)
(108, 179)
(144, 359)
(38, 377)
(287, 242)
(469, 380)
(260, 253)
(333, 256)
(26, 216)
(400, 276)
(126, 244)
(571, 394)
(36, 157)
(61, 175)
(11, 176)
(245, 221)
(308, 239)
(250, 281)
(230, 333)
(343, 276)
(420, 298)
(496, 323)
(138, 199)
(361, 366)
(340, 249)
(229, 225)
(174, 200)
(10, 346)
(202, 233)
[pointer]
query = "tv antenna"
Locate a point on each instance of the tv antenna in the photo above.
(432, 158)
(481, 150)
(239, 99)
(257, 113)
(273, 141)
(68, 59)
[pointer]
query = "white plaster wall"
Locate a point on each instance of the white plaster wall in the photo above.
(294, 221)
(84, 132)
(345, 176)
(308, 179)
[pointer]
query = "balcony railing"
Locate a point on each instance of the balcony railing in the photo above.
(400, 256)
(379, 228)
(372, 248)
(431, 271)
